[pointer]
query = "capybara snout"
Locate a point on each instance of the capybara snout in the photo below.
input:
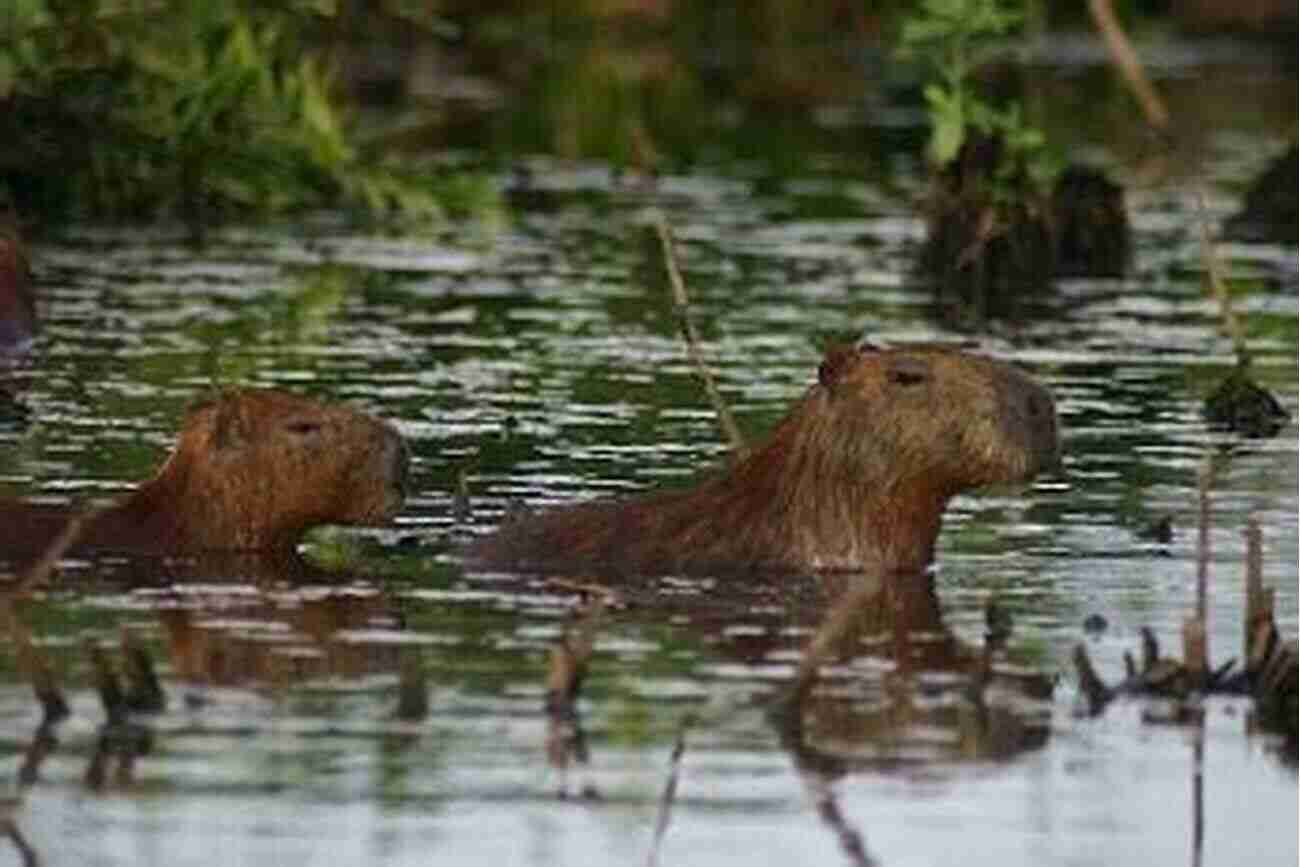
(1027, 435)
(391, 463)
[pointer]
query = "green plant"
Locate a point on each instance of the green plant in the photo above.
(953, 39)
(121, 107)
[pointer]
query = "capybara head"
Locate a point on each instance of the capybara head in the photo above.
(934, 417)
(255, 468)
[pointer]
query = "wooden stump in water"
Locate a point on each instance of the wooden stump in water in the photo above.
(1269, 212)
(995, 240)
(1090, 225)
(1242, 406)
(988, 244)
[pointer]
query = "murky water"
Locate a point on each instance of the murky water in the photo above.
(533, 356)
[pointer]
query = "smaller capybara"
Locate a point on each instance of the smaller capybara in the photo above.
(856, 477)
(253, 469)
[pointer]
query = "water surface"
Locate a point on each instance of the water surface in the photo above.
(533, 357)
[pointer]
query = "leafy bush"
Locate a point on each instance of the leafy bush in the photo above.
(125, 107)
(953, 39)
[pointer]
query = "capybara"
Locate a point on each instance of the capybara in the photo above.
(17, 307)
(856, 477)
(252, 470)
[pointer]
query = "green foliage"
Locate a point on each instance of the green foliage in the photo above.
(953, 39)
(124, 107)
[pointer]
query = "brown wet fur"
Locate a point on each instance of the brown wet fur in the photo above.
(252, 470)
(855, 477)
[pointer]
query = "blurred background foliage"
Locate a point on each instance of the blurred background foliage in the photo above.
(203, 109)
(200, 108)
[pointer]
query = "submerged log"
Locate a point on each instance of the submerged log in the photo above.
(566, 741)
(1270, 675)
(1089, 225)
(144, 694)
(985, 253)
(995, 240)
(1269, 210)
(1241, 406)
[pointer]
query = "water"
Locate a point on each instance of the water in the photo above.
(532, 355)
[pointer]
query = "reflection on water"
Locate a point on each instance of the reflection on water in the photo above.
(536, 361)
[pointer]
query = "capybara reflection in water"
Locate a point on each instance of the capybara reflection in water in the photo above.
(252, 470)
(856, 477)
(241, 638)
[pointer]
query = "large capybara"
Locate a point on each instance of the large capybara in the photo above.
(252, 471)
(856, 477)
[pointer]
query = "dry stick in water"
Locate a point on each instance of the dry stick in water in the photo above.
(1094, 689)
(31, 662)
(828, 808)
(412, 689)
(144, 693)
(1196, 651)
(25, 851)
(568, 665)
(840, 625)
(670, 790)
(1153, 108)
(1203, 481)
(1215, 283)
(1198, 795)
(1195, 635)
(681, 307)
(1122, 53)
(40, 571)
(1254, 584)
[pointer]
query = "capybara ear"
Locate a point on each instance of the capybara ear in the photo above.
(839, 358)
(229, 427)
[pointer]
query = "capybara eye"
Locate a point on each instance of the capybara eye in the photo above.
(907, 372)
(303, 428)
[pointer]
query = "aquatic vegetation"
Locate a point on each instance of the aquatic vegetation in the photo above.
(953, 39)
(1239, 404)
(200, 109)
(1004, 215)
